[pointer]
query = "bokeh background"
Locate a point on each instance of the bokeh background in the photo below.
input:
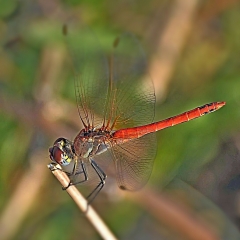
(193, 54)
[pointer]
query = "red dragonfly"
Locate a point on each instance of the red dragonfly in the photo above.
(116, 107)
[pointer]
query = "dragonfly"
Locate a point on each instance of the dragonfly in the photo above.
(116, 104)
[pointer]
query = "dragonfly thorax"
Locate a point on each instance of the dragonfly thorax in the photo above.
(90, 143)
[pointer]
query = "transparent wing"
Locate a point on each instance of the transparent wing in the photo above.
(121, 94)
(134, 162)
(132, 98)
(91, 74)
(110, 92)
(133, 104)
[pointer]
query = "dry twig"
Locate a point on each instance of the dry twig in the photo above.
(82, 203)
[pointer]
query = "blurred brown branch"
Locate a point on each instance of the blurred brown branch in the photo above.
(174, 215)
(171, 43)
(23, 197)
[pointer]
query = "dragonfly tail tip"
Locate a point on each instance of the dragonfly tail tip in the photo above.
(220, 104)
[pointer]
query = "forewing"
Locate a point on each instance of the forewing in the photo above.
(91, 74)
(132, 98)
(116, 92)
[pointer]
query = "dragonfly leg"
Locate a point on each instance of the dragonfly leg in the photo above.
(102, 176)
(83, 171)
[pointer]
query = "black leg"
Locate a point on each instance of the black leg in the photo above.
(84, 171)
(102, 176)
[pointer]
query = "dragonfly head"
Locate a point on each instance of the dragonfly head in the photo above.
(62, 152)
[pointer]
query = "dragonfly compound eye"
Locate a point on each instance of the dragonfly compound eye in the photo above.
(58, 156)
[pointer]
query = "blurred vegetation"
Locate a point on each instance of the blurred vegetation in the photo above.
(197, 163)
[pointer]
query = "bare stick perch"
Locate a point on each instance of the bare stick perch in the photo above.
(82, 203)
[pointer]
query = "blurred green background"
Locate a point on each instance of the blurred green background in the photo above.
(193, 54)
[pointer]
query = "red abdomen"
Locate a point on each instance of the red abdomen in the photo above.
(136, 132)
